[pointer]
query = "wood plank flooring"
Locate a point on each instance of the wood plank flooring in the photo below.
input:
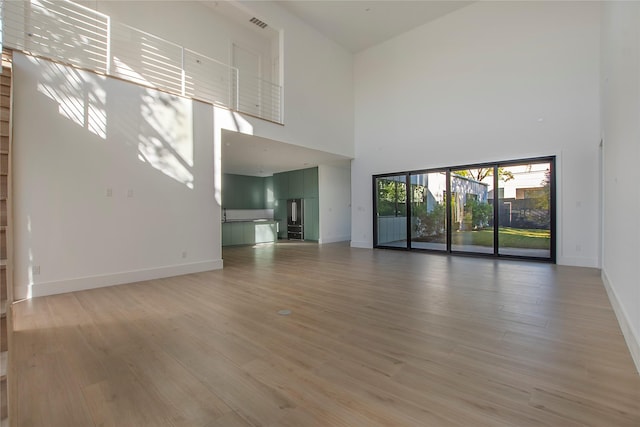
(375, 338)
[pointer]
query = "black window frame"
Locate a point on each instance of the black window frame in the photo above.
(551, 160)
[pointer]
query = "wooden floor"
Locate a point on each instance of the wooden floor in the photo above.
(374, 338)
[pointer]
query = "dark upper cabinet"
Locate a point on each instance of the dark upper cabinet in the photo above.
(281, 186)
(310, 183)
(296, 184)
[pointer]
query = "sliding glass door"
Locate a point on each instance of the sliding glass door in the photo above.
(524, 215)
(471, 213)
(494, 209)
(391, 211)
(428, 210)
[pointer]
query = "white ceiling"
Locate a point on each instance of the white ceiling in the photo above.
(359, 24)
(252, 155)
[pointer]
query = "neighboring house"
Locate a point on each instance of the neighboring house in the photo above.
(462, 190)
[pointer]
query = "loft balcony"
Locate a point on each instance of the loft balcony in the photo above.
(70, 33)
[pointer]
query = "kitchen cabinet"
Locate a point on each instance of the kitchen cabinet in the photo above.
(264, 233)
(237, 233)
(311, 223)
(310, 178)
(248, 232)
(280, 214)
(226, 234)
(280, 186)
(296, 184)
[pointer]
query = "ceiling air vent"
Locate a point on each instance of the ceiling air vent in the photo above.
(258, 22)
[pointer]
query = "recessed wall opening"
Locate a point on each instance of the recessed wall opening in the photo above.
(498, 209)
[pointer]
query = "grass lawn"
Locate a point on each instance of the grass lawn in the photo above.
(508, 238)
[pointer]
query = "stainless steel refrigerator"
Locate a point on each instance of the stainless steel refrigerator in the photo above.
(295, 219)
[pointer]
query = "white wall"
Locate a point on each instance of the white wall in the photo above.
(621, 142)
(492, 81)
(96, 134)
(318, 86)
(318, 74)
(334, 187)
(79, 137)
(191, 24)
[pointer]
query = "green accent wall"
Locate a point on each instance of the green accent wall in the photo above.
(297, 184)
(247, 192)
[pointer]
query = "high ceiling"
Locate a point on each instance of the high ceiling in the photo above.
(359, 24)
(355, 25)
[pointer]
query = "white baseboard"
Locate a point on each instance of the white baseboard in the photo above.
(630, 335)
(334, 239)
(364, 245)
(577, 262)
(92, 282)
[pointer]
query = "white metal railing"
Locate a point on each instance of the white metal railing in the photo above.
(258, 97)
(61, 31)
(67, 32)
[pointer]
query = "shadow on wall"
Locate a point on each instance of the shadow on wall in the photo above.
(113, 179)
(158, 128)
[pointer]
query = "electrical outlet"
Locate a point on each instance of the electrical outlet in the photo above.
(130, 193)
(184, 254)
(109, 192)
(35, 270)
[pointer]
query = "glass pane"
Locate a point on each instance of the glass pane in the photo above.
(471, 212)
(428, 211)
(524, 215)
(391, 216)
